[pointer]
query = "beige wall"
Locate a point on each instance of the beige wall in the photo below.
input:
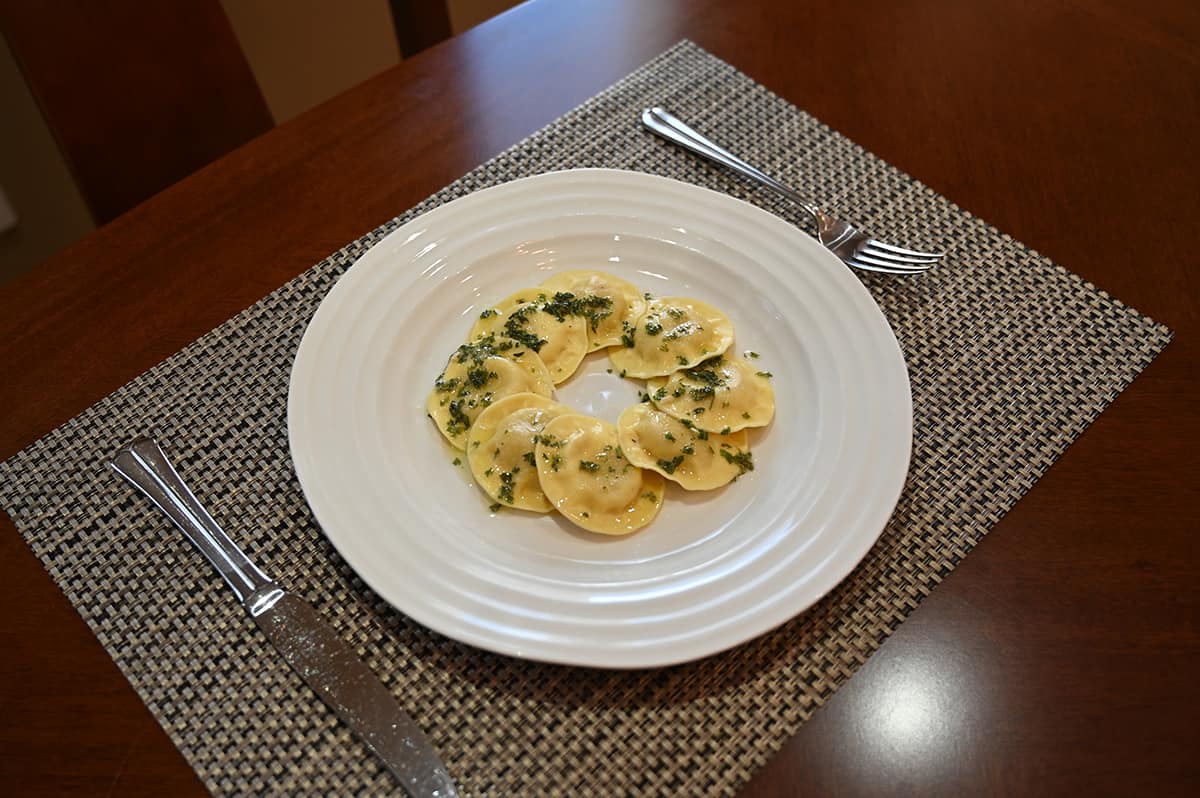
(305, 51)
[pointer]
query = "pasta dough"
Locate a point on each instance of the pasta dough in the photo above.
(720, 395)
(528, 452)
(477, 375)
(500, 449)
(586, 477)
(673, 333)
(532, 319)
(693, 458)
(625, 303)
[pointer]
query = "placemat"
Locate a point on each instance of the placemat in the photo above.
(1010, 357)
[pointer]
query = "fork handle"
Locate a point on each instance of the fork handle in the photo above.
(670, 128)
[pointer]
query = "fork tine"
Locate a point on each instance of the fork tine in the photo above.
(903, 251)
(896, 267)
(872, 248)
(858, 263)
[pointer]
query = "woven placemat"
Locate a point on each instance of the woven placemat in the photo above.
(1010, 357)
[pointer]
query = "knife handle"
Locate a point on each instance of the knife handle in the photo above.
(144, 464)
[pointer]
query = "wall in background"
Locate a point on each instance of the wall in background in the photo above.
(50, 210)
(302, 52)
(305, 51)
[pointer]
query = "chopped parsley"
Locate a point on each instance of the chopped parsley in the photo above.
(495, 508)
(506, 486)
(459, 421)
(669, 466)
(689, 449)
(592, 308)
(480, 377)
(766, 374)
(669, 436)
(442, 385)
(589, 466)
(456, 461)
(743, 460)
(487, 314)
(650, 496)
(528, 458)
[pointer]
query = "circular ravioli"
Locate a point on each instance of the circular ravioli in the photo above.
(500, 449)
(721, 394)
(673, 333)
(616, 304)
(695, 459)
(477, 375)
(533, 319)
(587, 478)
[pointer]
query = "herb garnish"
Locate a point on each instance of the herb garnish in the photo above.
(588, 465)
(743, 460)
(459, 421)
(480, 377)
(592, 308)
(670, 465)
(506, 487)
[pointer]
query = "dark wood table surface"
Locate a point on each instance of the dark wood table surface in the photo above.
(1060, 658)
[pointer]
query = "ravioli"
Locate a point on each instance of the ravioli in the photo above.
(673, 333)
(531, 318)
(721, 394)
(625, 304)
(693, 458)
(500, 448)
(477, 375)
(587, 478)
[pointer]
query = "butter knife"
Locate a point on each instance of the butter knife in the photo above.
(326, 663)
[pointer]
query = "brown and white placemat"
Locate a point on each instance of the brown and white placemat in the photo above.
(1010, 357)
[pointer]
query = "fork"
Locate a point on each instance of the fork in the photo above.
(853, 247)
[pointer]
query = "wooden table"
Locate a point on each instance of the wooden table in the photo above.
(1059, 658)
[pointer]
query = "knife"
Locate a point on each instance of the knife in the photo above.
(326, 663)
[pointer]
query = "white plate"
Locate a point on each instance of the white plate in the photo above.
(715, 568)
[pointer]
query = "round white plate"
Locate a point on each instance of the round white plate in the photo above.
(715, 568)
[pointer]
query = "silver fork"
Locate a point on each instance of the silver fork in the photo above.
(854, 248)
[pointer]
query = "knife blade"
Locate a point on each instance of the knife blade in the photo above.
(307, 642)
